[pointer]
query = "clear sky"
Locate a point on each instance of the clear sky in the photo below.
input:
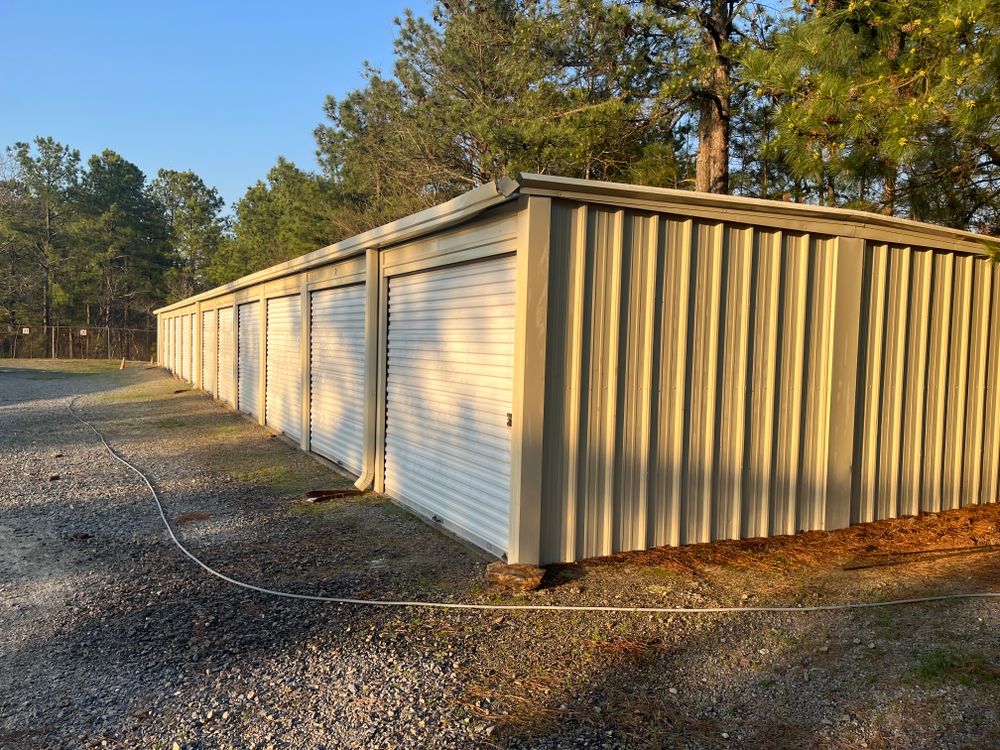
(222, 88)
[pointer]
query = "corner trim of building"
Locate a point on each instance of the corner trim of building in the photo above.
(531, 314)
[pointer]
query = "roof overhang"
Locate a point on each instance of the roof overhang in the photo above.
(798, 217)
(457, 210)
(792, 216)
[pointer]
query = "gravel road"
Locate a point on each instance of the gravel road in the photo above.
(109, 637)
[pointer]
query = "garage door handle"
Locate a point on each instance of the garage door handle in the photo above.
(510, 419)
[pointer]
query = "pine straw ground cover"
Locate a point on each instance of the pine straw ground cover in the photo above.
(912, 676)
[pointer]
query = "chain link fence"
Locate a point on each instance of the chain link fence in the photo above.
(77, 342)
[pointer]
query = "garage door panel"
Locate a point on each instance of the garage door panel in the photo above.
(185, 348)
(485, 393)
(472, 445)
(486, 465)
(337, 368)
(454, 334)
(283, 405)
(168, 345)
(485, 305)
(423, 487)
(465, 488)
(468, 278)
(448, 393)
(192, 321)
(429, 322)
(469, 356)
(209, 349)
(481, 418)
(249, 355)
(466, 369)
(226, 387)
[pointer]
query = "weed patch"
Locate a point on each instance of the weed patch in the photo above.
(957, 664)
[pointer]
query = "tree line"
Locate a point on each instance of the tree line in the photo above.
(883, 105)
(98, 244)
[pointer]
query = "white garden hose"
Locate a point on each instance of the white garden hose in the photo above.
(506, 607)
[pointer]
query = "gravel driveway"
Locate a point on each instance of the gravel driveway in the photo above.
(109, 637)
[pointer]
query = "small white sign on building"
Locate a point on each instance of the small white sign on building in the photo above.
(25, 331)
(83, 331)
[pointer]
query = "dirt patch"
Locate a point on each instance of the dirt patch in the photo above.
(186, 518)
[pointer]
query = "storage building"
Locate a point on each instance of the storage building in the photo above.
(555, 368)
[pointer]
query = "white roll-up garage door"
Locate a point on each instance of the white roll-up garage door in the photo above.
(185, 348)
(448, 396)
(192, 322)
(226, 386)
(283, 402)
(249, 359)
(175, 330)
(337, 371)
(167, 361)
(209, 349)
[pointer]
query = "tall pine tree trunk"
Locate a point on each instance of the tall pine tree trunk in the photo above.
(712, 167)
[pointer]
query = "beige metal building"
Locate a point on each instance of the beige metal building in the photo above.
(555, 368)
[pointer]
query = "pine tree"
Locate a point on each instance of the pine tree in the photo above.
(193, 212)
(892, 105)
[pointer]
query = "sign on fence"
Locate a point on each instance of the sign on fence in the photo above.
(75, 342)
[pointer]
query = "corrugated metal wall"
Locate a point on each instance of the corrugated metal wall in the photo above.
(689, 377)
(703, 379)
(928, 419)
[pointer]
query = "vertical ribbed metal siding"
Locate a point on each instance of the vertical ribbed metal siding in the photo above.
(226, 386)
(249, 358)
(185, 347)
(209, 349)
(689, 381)
(283, 399)
(337, 373)
(449, 391)
(928, 422)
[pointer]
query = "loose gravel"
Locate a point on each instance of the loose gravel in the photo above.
(109, 637)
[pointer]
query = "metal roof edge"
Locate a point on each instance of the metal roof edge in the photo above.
(860, 221)
(432, 219)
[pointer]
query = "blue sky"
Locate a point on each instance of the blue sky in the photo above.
(222, 88)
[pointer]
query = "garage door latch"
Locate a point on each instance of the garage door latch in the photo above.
(510, 419)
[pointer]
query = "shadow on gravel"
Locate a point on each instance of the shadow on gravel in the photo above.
(922, 676)
(157, 624)
(144, 650)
